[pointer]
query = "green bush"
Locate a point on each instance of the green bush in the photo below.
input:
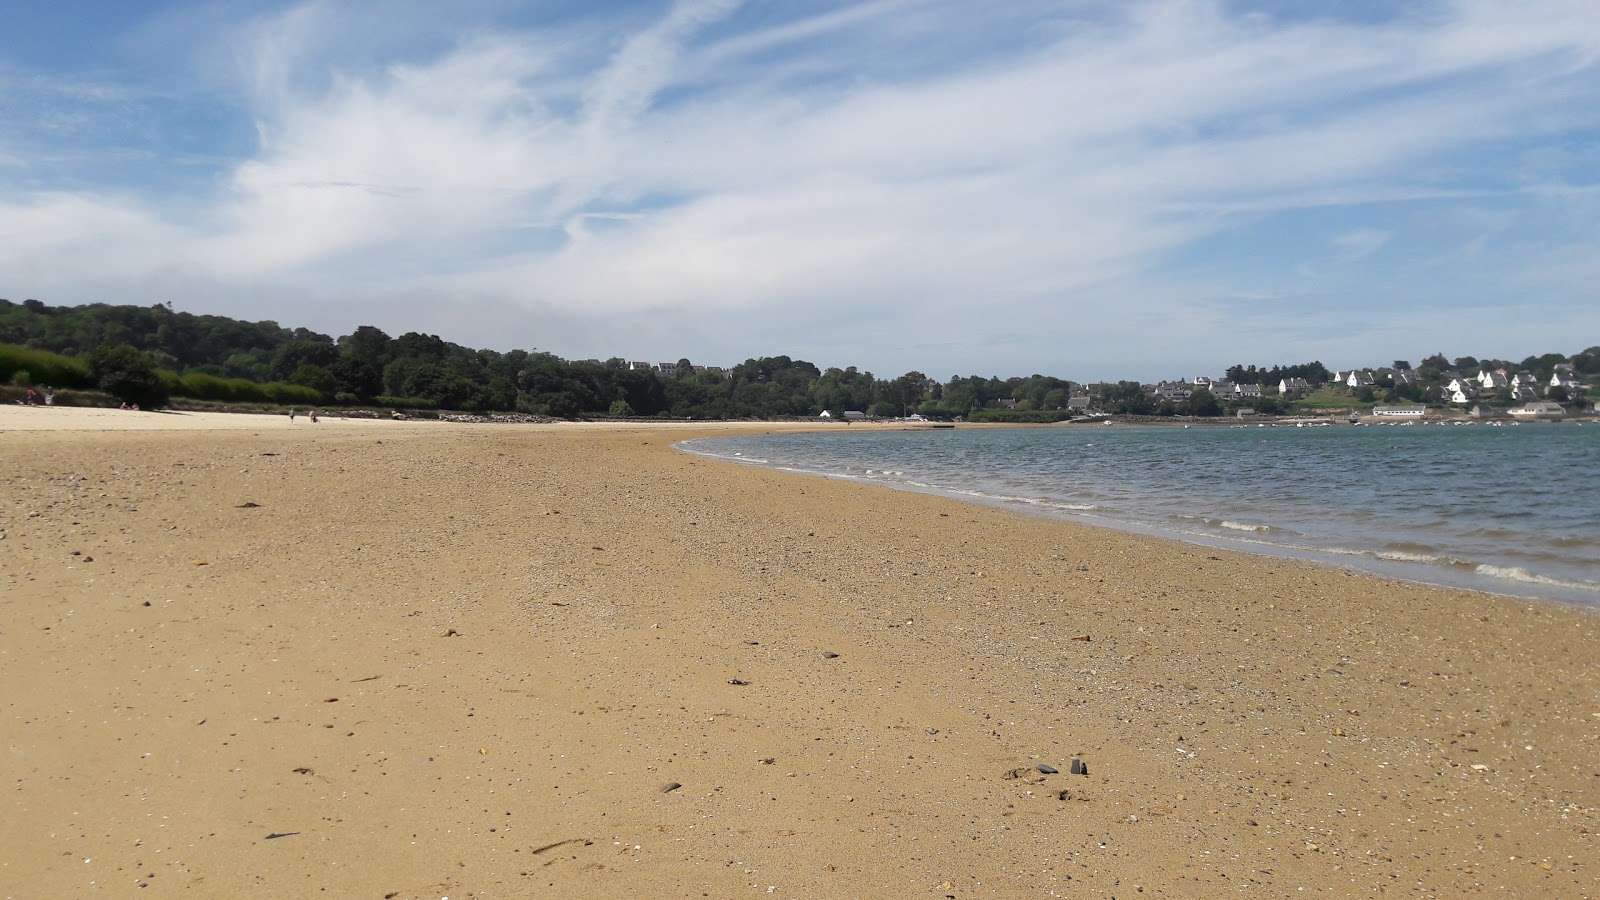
(202, 386)
(42, 367)
(291, 394)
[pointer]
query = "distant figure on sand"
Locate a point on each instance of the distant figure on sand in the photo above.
(313, 415)
(291, 415)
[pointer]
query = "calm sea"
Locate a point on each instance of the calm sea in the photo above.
(1510, 510)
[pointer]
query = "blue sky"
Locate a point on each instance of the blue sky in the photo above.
(1087, 189)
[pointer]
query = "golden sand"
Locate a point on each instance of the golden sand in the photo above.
(378, 659)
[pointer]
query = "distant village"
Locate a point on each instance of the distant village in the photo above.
(1484, 394)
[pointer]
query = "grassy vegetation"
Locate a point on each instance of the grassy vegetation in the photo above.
(1324, 399)
(26, 367)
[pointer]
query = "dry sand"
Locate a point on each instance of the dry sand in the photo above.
(376, 659)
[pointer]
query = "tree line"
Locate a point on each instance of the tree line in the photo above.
(150, 354)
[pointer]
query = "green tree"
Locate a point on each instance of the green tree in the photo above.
(620, 409)
(125, 373)
(315, 377)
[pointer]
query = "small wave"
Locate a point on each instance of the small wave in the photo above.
(1433, 559)
(1517, 573)
(1024, 501)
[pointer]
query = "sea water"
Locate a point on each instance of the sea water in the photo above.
(1511, 509)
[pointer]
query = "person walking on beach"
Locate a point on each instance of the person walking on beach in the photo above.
(313, 415)
(291, 415)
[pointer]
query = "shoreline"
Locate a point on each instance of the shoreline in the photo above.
(1568, 594)
(456, 659)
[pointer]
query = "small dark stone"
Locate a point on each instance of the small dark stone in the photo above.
(147, 603)
(670, 786)
(753, 643)
(1079, 767)
(830, 655)
(738, 682)
(452, 633)
(1048, 770)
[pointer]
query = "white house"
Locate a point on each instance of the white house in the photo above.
(1539, 410)
(1359, 378)
(1248, 391)
(1462, 394)
(1491, 379)
(1406, 411)
(1573, 386)
(1461, 386)
(1523, 392)
(1288, 387)
(1405, 376)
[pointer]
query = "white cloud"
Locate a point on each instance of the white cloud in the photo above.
(697, 167)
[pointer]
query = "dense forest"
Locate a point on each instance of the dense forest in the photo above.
(168, 353)
(151, 354)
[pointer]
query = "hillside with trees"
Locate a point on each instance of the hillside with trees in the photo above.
(157, 355)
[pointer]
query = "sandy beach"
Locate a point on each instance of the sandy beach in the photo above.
(417, 660)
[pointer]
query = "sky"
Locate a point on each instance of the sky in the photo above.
(1095, 190)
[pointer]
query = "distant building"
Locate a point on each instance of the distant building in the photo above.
(1290, 387)
(1539, 410)
(1245, 412)
(1360, 378)
(1404, 411)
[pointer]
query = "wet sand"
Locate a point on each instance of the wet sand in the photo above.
(249, 658)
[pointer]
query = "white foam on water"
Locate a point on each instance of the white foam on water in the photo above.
(1517, 573)
(1402, 556)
